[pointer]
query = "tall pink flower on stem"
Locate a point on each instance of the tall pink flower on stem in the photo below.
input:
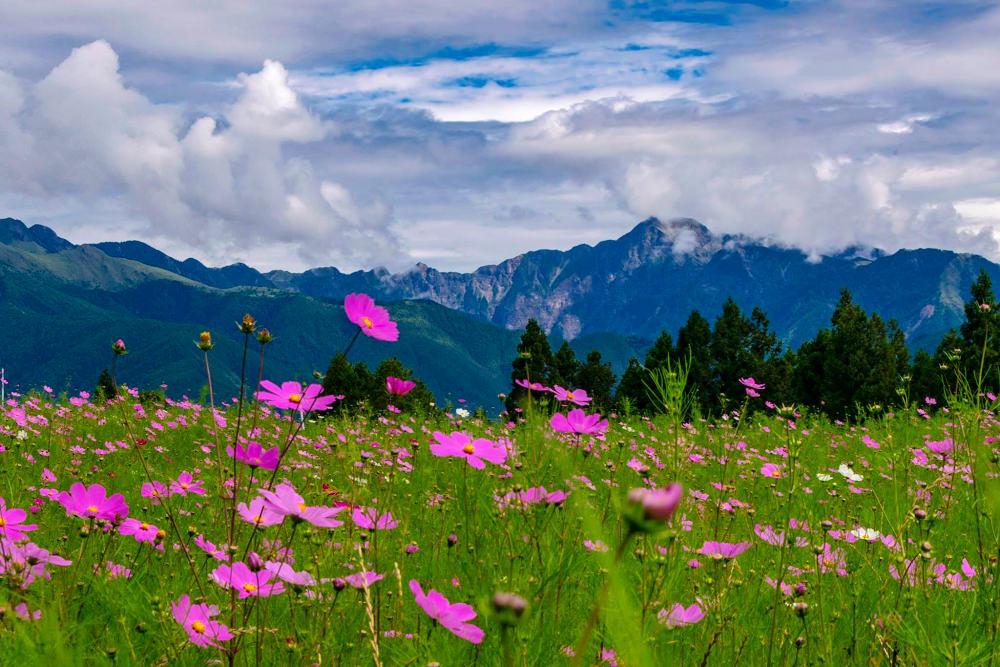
(475, 452)
(680, 615)
(12, 526)
(372, 320)
(260, 513)
(196, 620)
(286, 502)
(398, 386)
(574, 396)
(369, 519)
(579, 422)
(453, 617)
(255, 456)
(246, 582)
(723, 550)
(533, 386)
(93, 502)
(291, 396)
(140, 530)
(185, 484)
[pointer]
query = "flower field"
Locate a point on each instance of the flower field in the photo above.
(260, 531)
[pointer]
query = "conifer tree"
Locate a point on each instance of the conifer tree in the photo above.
(534, 362)
(565, 367)
(598, 379)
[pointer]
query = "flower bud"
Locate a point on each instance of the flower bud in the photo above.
(205, 341)
(119, 347)
(248, 325)
(264, 337)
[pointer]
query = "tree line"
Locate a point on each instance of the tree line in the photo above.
(858, 362)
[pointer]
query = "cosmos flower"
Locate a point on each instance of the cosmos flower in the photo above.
(93, 502)
(770, 470)
(286, 502)
(255, 456)
(578, 421)
(140, 530)
(363, 579)
(680, 615)
(453, 617)
(533, 386)
(291, 396)
(575, 396)
(197, 622)
(259, 512)
(398, 386)
(475, 452)
(373, 320)
(12, 526)
(185, 484)
(723, 550)
(369, 519)
(245, 581)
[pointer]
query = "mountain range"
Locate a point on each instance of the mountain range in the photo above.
(62, 303)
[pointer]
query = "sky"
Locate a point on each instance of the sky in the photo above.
(368, 133)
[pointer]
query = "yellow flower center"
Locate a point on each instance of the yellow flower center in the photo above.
(249, 588)
(3, 522)
(259, 518)
(367, 321)
(144, 526)
(198, 627)
(468, 449)
(569, 396)
(295, 398)
(92, 509)
(302, 507)
(184, 485)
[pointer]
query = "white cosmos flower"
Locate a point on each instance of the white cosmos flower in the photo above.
(462, 412)
(823, 477)
(849, 474)
(866, 534)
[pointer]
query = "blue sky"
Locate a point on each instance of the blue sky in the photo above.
(358, 134)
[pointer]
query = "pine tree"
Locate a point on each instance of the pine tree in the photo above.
(731, 354)
(631, 388)
(694, 346)
(979, 332)
(598, 379)
(534, 362)
(105, 386)
(353, 381)
(565, 367)
(419, 398)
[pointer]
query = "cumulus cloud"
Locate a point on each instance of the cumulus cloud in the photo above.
(228, 185)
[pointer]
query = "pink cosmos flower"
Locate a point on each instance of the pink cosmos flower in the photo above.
(398, 386)
(658, 504)
(575, 396)
(12, 526)
(363, 579)
(93, 502)
(531, 496)
(453, 617)
(578, 421)
(260, 513)
(941, 447)
(291, 396)
(770, 470)
(533, 386)
(373, 320)
(680, 615)
(286, 502)
(473, 451)
(245, 581)
(140, 530)
(369, 519)
(832, 560)
(720, 550)
(218, 553)
(153, 490)
(750, 383)
(197, 622)
(28, 560)
(185, 484)
(285, 572)
(255, 456)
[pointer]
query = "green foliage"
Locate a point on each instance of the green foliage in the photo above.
(534, 361)
(598, 379)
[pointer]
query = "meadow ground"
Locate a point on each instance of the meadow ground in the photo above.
(793, 540)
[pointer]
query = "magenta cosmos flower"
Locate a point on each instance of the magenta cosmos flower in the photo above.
(93, 502)
(373, 320)
(750, 383)
(197, 622)
(574, 396)
(533, 386)
(259, 512)
(246, 582)
(286, 502)
(723, 550)
(369, 519)
(185, 484)
(474, 451)
(255, 456)
(398, 386)
(140, 530)
(291, 396)
(680, 615)
(12, 526)
(578, 421)
(453, 617)
(658, 504)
